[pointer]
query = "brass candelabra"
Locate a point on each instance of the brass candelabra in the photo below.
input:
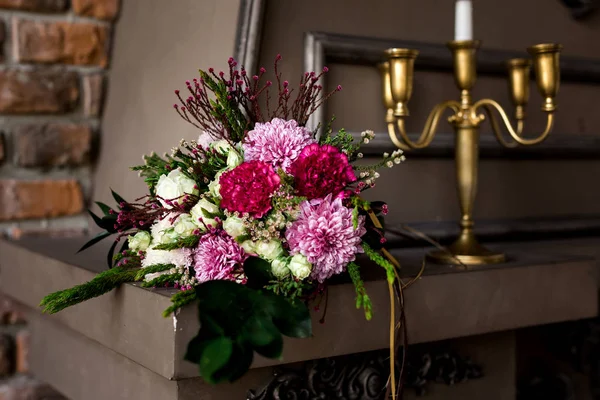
(397, 79)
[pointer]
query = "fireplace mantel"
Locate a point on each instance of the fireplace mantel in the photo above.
(544, 282)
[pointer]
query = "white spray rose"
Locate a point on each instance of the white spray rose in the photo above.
(184, 226)
(163, 231)
(269, 250)
(140, 241)
(206, 211)
(300, 267)
(279, 267)
(174, 186)
(221, 146)
(234, 227)
(234, 154)
(214, 187)
(249, 246)
(234, 158)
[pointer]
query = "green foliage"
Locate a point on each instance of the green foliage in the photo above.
(152, 269)
(190, 241)
(290, 287)
(162, 280)
(180, 299)
(154, 166)
(102, 283)
(362, 298)
(224, 109)
(343, 141)
(235, 321)
(258, 272)
(381, 261)
(355, 217)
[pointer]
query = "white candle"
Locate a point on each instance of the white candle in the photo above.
(463, 20)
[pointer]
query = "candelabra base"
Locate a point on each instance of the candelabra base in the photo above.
(466, 250)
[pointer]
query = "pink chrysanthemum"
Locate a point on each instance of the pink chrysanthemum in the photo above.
(325, 235)
(248, 188)
(278, 142)
(321, 170)
(218, 257)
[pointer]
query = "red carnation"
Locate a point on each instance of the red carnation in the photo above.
(320, 171)
(248, 188)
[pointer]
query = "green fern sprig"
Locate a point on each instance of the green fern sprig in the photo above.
(102, 283)
(362, 298)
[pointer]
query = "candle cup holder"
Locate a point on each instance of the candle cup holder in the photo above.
(397, 77)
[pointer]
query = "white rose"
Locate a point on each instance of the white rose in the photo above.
(279, 267)
(269, 250)
(234, 227)
(249, 246)
(300, 267)
(234, 158)
(214, 187)
(174, 186)
(184, 226)
(163, 231)
(140, 241)
(198, 214)
(222, 146)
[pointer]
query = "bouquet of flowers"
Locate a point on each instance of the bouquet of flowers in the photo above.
(250, 221)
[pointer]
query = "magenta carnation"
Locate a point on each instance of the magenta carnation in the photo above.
(325, 235)
(321, 170)
(278, 142)
(248, 188)
(218, 257)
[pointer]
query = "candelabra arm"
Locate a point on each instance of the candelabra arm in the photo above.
(404, 142)
(488, 105)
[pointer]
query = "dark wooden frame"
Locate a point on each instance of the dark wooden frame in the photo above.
(321, 48)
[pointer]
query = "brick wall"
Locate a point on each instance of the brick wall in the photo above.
(54, 59)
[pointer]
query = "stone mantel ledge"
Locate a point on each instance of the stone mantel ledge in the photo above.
(544, 282)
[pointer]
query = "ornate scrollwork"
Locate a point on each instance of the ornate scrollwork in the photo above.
(364, 376)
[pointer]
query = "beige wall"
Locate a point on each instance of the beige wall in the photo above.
(158, 45)
(423, 189)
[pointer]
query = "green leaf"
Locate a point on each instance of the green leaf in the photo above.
(239, 363)
(97, 220)
(355, 217)
(215, 355)
(292, 317)
(252, 320)
(105, 209)
(117, 198)
(94, 240)
(273, 349)
(258, 272)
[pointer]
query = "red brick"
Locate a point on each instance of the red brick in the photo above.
(2, 148)
(52, 144)
(22, 341)
(60, 42)
(2, 38)
(11, 312)
(93, 94)
(35, 5)
(7, 355)
(39, 199)
(50, 92)
(101, 9)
